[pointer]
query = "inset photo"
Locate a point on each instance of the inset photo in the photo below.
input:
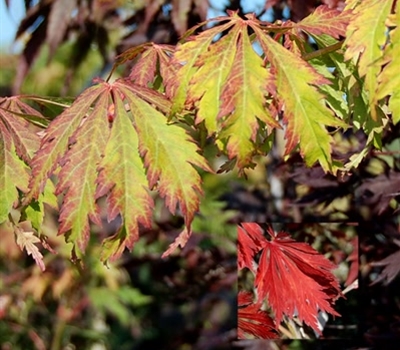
(297, 281)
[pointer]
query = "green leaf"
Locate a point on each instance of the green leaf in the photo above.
(122, 176)
(304, 112)
(14, 174)
(169, 156)
(243, 101)
(185, 59)
(208, 81)
(35, 210)
(366, 34)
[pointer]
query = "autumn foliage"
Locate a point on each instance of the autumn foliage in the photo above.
(233, 84)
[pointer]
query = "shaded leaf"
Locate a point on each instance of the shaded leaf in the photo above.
(392, 267)
(379, 191)
(179, 15)
(59, 18)
(252, 320)
(26, 240)
(32, 47)
(353, 258)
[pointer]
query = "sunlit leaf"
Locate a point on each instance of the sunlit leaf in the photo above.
(304, 112)
(123, 178)
(366, 34)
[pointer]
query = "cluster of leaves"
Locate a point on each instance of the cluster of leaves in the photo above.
(231, 85)
(292, 277)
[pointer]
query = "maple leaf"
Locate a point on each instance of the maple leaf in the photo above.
(59, 17)
(78, 174)
(366, 34)
(207, 82)
(243, 100)
(169, 156)
(305, 114)
(227, 83)
(379, 191)
(123, 178)
(392, 267)
(252, 320)
(295, 278)
(21, 141)
(26, 239)
(325, 20)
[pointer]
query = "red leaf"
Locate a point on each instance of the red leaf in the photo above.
(252, 320)
(250, 239)
(295, 279)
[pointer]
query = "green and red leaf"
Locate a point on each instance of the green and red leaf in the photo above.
(78, 174)
(325, 20)
(14, 174)
(122, 178)
(305, 113)
(169, 156)
(57, 140)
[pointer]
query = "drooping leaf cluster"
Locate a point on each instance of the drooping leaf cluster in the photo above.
(232, 80)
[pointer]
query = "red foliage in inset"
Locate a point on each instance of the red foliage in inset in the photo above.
(293, 277)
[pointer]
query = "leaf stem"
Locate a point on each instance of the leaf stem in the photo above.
(311, 55)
